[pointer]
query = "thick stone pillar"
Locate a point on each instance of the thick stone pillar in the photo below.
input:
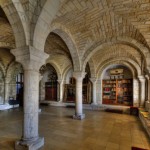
(93, 80)
(99, 91)
(61, 83)
(136, 93)
(7, 88)
(147, 104)
(148, 88)
(31, 59)
(42, 89)
(6, 91)
(78, 110)
(142, 90)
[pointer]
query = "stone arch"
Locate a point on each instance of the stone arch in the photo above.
(18, 21)
(131, 67)
(66, 37)
(59, 74)
(92, 68)
(42, 28)
(14, 69)
(134, 67)
(122, 40)
(55, 67)
(65, 72)
(49, 82)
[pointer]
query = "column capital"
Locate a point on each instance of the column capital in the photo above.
(30, 57)
(60, 81)
(141, 77)
(93, 80)
(147, 76)
(79, 74)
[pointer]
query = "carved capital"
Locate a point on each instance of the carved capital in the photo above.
(30, 57)
(93, 80)
(141, 78)
(147, 77)
(60, 81)
(79, 75)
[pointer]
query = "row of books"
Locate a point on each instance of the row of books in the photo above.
(109, 81)
(109, 97)
(109, 85)
(124, 81)
(109, 89)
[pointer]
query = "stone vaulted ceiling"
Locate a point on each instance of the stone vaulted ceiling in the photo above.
(88, 23)
(93, 21)
(6, 57)
(116, 51)
(6, 32)
(58, 51)
(55, 45)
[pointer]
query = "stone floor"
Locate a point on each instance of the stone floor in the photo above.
(98, 131)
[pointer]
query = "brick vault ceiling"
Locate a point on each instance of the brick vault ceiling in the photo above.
(56, 46)
(92, 21)
(6, 57)
(6, 32)
(114, 51)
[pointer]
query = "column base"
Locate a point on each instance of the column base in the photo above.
(147, 105)
(79, 117)
(93, 103)
(29, 145)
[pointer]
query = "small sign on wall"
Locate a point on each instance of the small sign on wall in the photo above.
(116, 71)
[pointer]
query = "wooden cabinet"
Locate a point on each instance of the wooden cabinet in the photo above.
(70, 92)
(125, 92)
(118, 92)
(51, 91)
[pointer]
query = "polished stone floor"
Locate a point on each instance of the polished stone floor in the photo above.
(98, 131)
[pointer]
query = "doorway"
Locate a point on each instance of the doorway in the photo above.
(19, 88)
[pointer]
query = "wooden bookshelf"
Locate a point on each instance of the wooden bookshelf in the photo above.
(118, 92)
(70, 92)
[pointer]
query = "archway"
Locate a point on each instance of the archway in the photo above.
(49, 83)
(14, 83)
(70, 92)
(19, 88)
(117, 85)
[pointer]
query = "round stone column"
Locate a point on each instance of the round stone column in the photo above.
(60, 90)
(147, 104)
(93, 80)
(7, 87)
(148, 88)
(142, 91)
(136, 93)
(31, 59)
(78, 108)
